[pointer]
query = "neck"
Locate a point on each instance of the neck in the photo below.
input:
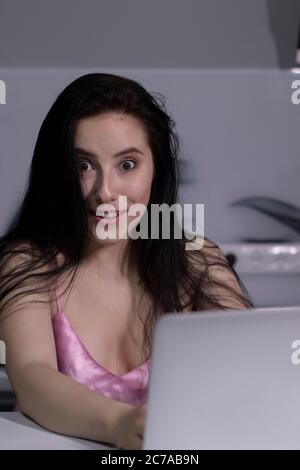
(109, 260)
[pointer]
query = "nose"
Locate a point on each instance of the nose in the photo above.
(106, 188)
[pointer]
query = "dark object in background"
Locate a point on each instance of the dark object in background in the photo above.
(283, 212)
(231, 258)
(7, 396)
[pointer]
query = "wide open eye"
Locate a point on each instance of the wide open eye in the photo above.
(84, 166)
(127, 165)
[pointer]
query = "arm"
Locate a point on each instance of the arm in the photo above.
(49, 397)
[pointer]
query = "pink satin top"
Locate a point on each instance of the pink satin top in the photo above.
(75, 361)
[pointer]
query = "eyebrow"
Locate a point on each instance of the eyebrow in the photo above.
(118, 154)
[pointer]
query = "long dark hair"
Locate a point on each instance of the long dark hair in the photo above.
(53, 217)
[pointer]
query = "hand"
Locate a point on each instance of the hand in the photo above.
(129, 430)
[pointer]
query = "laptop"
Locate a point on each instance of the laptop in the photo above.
(225, 380)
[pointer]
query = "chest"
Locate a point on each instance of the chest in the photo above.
(106, 318)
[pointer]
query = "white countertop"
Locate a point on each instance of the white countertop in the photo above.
(19, 432)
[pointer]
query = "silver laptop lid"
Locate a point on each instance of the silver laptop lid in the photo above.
(225, 380)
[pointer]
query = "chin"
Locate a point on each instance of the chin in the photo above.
(107, 241)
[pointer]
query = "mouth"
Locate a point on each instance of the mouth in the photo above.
(107, 217)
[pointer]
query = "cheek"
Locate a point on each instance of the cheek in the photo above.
(140, 188)
(86, 185)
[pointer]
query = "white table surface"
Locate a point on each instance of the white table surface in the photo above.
(19, 432)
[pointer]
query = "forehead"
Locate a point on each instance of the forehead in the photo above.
(110, 130)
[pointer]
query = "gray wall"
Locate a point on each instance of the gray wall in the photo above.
(143, 33)
(239, 132)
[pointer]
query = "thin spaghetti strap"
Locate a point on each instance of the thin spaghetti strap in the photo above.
(57, 295)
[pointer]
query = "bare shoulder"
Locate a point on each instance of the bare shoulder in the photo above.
(204, 253)
(25, 257)
(217, 278)
(23, 279)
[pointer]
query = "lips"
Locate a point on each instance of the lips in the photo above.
(108, 215)
(116, 211)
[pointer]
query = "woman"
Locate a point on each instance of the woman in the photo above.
(78, 309)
